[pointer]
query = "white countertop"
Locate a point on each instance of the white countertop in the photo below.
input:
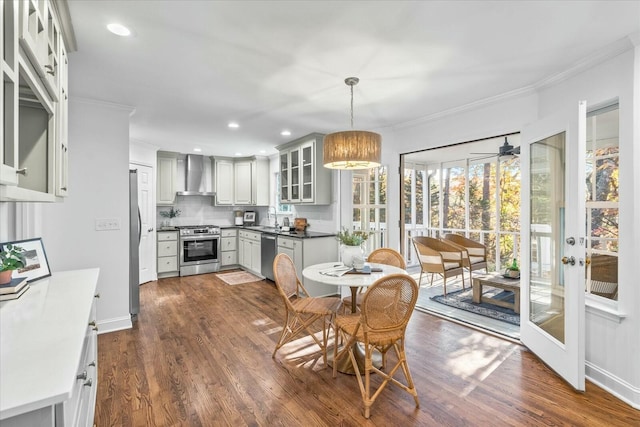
(352, 280)
(41, 339)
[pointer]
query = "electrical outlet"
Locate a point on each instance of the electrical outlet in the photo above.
(105, 224)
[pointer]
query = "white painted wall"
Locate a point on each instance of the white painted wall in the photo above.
(99, 188)
(612, 345)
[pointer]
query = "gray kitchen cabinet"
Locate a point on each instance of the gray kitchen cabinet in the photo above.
(224, 181)
(249, 251)
(228, 248)
(303, 179)
(33, 112)
(168, 265)
(167, 178)
(242, 182)
(309, 251)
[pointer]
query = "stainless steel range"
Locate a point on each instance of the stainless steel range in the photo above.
(199, 249)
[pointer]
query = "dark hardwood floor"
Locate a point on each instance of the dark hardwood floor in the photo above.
(200, 355)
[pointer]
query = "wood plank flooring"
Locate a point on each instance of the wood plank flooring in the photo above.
(200, 355)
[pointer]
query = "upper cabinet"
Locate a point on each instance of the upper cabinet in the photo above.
(224, 181)
(242, 181)
(33, 122)
(167, 178)
(303, 179)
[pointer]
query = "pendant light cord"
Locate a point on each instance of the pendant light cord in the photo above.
(351, 107)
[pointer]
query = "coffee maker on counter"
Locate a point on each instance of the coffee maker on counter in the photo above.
(238, 217)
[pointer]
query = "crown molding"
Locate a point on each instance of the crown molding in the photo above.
(610, 51)
(466, 107)
(101, 103)
(62, 10)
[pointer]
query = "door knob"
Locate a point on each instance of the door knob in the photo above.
(570, 260)
(571, 241)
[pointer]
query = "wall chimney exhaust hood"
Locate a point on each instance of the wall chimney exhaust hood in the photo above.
(198, 177)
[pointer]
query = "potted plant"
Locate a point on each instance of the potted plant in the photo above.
(171, 213)
(11, 258)
(513, 271)
(351, 245)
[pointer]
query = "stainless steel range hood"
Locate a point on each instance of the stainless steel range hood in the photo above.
(198, 181)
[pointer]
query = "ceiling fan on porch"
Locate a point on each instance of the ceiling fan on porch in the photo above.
(506, 150)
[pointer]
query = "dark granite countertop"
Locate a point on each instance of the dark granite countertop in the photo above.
(271, 230)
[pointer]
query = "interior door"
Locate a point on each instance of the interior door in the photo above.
(147, 213)
(553, 242)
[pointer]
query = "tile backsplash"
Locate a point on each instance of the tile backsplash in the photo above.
(198, 210)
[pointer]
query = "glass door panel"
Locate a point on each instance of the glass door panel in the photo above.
(547, 195)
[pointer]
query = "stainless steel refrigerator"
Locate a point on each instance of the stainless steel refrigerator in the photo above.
(135, 229)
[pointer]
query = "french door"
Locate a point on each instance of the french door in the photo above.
(553, 242)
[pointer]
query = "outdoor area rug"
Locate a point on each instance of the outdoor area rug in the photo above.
(238, 278)
(463, 300)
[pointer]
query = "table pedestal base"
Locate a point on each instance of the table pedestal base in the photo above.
(346, 367)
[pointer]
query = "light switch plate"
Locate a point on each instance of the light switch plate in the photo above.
(105, 224)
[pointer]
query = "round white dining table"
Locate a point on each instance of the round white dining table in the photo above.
(354, 281)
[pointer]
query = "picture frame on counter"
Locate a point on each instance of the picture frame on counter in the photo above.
(36, 263)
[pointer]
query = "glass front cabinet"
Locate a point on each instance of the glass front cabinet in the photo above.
(303, 179)
(33, 122)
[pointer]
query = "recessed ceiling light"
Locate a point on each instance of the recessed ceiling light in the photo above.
(238, 154)
(119, 30)
(262, 151)
(197, 150)
(285, 133)
(233, 125)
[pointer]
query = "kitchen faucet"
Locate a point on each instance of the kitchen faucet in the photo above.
(275, 215)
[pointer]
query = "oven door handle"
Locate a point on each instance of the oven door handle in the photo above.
(199, 238)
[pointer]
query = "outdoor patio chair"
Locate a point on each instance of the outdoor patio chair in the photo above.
(386, 309)
(474, 255)
(438, 257)
(386, 256)
(302, 311)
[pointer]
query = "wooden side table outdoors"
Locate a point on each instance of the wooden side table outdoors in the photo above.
(497, 281)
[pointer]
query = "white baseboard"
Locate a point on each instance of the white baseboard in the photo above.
(614, 385)
(112, 325)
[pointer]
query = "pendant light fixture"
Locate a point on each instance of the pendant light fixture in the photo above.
(352, 149)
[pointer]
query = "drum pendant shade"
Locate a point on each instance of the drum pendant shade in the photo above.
(352, 149)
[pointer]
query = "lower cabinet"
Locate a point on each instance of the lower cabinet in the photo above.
(168, 254)
(61, 313)
(249, 255)
(228, 248)
(309, 251)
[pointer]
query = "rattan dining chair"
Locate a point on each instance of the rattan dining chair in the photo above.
(385, 311)
(386, 256)
(302, 310)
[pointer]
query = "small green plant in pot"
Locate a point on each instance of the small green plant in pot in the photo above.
(171, 213)
(351, 251)
(11, 258)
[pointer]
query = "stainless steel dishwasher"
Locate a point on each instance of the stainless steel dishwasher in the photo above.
(268, 251)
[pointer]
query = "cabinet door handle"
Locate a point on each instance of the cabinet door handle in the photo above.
(92, 323)
(88, 383)
(92, 363)
(22, 171)
(63, 188)
(97, 295)
(150, 230)
(82, 376)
